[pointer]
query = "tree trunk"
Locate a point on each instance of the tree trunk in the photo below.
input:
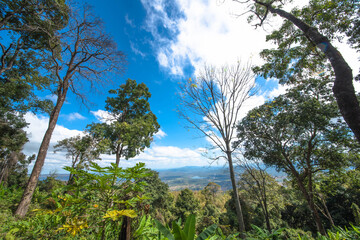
(316, 216)
(71, 176)
(310, 201)
(9, 163)
(125, 233)
(34, 177)
(343, 88)
(118, 154)
(327, 213)
(239, 214)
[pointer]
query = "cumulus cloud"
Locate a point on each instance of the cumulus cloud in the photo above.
(160, 134)
(204, 32)
(188, 32)
(38, 124)
(102, 116)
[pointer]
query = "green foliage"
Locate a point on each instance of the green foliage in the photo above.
(146, 230)
(337, 233)
(229, 218)
(94, 205)
(264, 234)
(15, 167)
(160, 201)
(303, 118)
(296, 56)
(30, 25)
(188, 232)
(340, 191)
(186, 204)
(263, 195)
(293, 133)
(296, 213)
(12, 140)
(131, 125)
(50, 183)
(111, 192)
(82, 150)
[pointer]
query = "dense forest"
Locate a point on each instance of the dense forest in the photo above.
(311, 133)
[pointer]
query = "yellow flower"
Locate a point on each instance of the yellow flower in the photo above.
(95, 205)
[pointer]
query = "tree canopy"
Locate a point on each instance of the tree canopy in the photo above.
(293, 133)
(305, 46)
(131, 124)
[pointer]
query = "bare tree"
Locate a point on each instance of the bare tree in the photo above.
(82, 55)
(212, 104)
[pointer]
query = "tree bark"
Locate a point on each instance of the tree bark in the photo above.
(239, 214)
(9, 163)
(125, 233)
(23, 207)
(343, 88)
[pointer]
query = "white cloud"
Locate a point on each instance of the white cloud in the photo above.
(53, 98)
(129, 21)
(136, 50)
(212, 32)
(158, 157)
(207, 32)
(102, 116)
(160, 134)
(162, 59)
(74, 116)
(38, 124)
(154, 157)
(171, 156)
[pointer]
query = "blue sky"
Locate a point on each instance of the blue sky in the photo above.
(165, 42)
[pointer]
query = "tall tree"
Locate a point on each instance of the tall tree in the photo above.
(131, 124)
(293, 133)
(82, 150)
(25, 27)
(212, 104)
(83, 53)
(303, 32)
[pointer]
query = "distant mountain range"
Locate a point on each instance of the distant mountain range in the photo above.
(192, 177)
